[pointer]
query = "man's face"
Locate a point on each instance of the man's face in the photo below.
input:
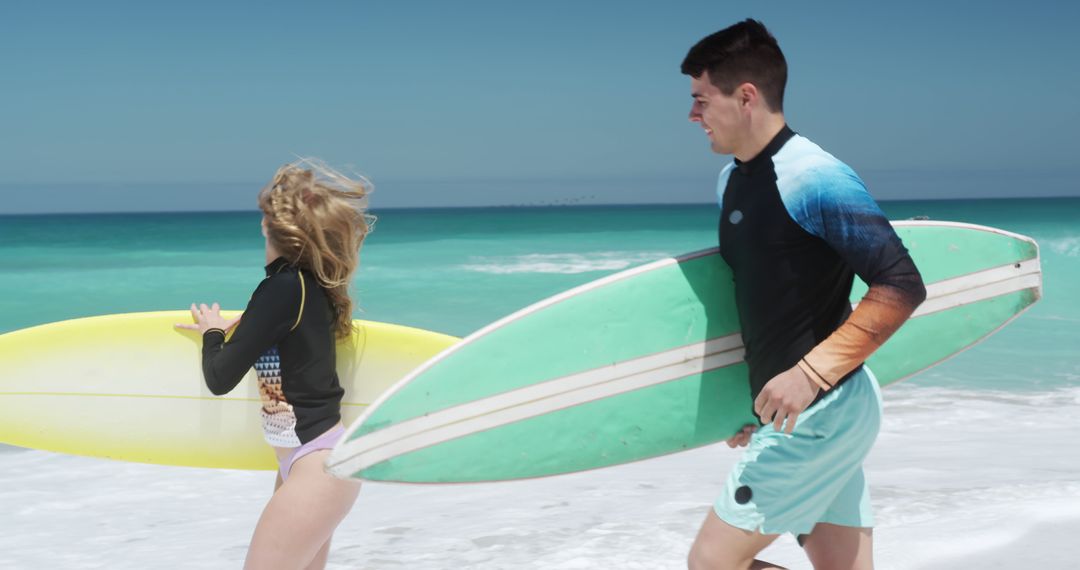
(720, 115)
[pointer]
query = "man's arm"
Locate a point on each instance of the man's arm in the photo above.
(844, 215)
(879, 314)
(854, 226)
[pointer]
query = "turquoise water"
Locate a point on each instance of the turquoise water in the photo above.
(455, 270)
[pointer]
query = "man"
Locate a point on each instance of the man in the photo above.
(796, 225)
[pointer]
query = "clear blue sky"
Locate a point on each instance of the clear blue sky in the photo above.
(121, 106)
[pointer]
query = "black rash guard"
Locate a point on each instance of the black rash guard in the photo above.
(286, 333)
(796, 226)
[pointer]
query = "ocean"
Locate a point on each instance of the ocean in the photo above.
(977, 459)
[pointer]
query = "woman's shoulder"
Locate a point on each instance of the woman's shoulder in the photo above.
(283, 282)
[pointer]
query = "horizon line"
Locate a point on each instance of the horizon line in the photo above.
(521, 206)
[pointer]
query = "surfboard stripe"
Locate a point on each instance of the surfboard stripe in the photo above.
(576, 389)
(519, 405)
(992, 275)
(138, 396)
(604, 381)
(976, 294)
(152, 397)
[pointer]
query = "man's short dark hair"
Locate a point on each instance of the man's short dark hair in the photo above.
(743, 53)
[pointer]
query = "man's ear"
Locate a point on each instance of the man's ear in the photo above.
(747, 94)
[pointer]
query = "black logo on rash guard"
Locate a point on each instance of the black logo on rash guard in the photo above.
(735, 217)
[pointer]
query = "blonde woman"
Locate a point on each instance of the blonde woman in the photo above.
(314, 224)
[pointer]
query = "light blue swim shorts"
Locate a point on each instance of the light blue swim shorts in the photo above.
(789, 483)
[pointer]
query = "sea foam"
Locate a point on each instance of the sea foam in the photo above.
(567, 263)
(980, 479)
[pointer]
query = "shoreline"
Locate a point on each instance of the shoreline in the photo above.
(956, 482)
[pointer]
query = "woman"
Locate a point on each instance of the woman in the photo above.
(314, 224)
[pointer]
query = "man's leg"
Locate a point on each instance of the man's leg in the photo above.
(720, 546)
(843, 539)
(793, 482)
(835, 547)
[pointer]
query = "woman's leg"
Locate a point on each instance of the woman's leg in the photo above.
(319, 562)
(296, 526)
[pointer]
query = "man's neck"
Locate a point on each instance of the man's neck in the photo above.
(761, 134)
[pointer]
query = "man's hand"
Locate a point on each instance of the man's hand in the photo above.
(784, 398)
(743, 437)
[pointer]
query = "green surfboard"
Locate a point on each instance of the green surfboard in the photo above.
(648, 362)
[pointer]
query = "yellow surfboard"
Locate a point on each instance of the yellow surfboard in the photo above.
(130, 387)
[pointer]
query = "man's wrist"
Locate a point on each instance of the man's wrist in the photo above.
(813, 376)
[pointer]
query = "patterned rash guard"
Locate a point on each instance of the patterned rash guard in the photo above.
(796, 225)
(286, 334)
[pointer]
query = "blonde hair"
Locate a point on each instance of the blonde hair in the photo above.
(316, 218)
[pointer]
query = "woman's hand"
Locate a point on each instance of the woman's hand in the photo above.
(207, 318)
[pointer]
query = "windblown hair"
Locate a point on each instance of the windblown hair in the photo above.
(316, 218)
(743, 53)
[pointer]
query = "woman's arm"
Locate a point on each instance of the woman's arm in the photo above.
(271, 312)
